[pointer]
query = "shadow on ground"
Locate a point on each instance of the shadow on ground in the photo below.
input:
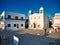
(31, 39)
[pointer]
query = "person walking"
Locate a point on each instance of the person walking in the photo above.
(45, 31)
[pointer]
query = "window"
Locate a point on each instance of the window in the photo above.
(2, 17)
(38, 25)
(21, 25)
(17, 25)
(22, 18)
(31, 25)
(16, 17)
(9, 17)
(9, 25)
(41, 11)
(14, 25)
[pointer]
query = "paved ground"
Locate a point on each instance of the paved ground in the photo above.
(7, 41)
(34, 37)
(38, 37)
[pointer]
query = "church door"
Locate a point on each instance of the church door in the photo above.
(34, 25)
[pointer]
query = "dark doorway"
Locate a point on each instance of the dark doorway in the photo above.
(17, 25)
(34, 25)
(58, 28)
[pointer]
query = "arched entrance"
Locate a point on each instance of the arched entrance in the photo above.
(34, 25)
(58, 28)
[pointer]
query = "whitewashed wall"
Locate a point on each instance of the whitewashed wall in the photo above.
(14, 14)
(39, 19)
(12, 22)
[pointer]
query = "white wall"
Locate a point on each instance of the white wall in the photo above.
(56, 21)
(43, 21)
(46, 22)
(12, 22)
(3, 25)
(14, 14)
(37, 19)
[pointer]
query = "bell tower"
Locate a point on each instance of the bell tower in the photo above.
(30, 12)
(41, 10)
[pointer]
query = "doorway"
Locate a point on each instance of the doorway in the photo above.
(34, 25)
(58, 28)
(17, 25)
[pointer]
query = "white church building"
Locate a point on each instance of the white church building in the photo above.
(38, 20)
(12, 21)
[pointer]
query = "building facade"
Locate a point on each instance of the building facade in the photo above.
(1, 23)
(13, 21)
(56, 21)
(38, 20)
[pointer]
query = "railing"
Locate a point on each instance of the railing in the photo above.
(13, 19)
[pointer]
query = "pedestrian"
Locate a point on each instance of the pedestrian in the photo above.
(45, 31)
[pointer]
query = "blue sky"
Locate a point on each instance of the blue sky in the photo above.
(23, 6)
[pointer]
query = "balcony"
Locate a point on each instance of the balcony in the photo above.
(13, 19)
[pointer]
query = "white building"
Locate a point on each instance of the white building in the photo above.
(56, 21)
(38, 20)
(12, 21)
(1, 22)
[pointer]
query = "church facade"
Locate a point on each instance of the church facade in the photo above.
(38, 20)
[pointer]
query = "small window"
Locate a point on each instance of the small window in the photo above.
(31, 25)
(22, 18)
(21, 25)
(16, 17)
(41, 11)
(38, 25)
(2, 17)
(9, 17)
(9, 25)
(17, 25)
(14, 25)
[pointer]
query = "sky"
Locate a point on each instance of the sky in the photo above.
(23, 6)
